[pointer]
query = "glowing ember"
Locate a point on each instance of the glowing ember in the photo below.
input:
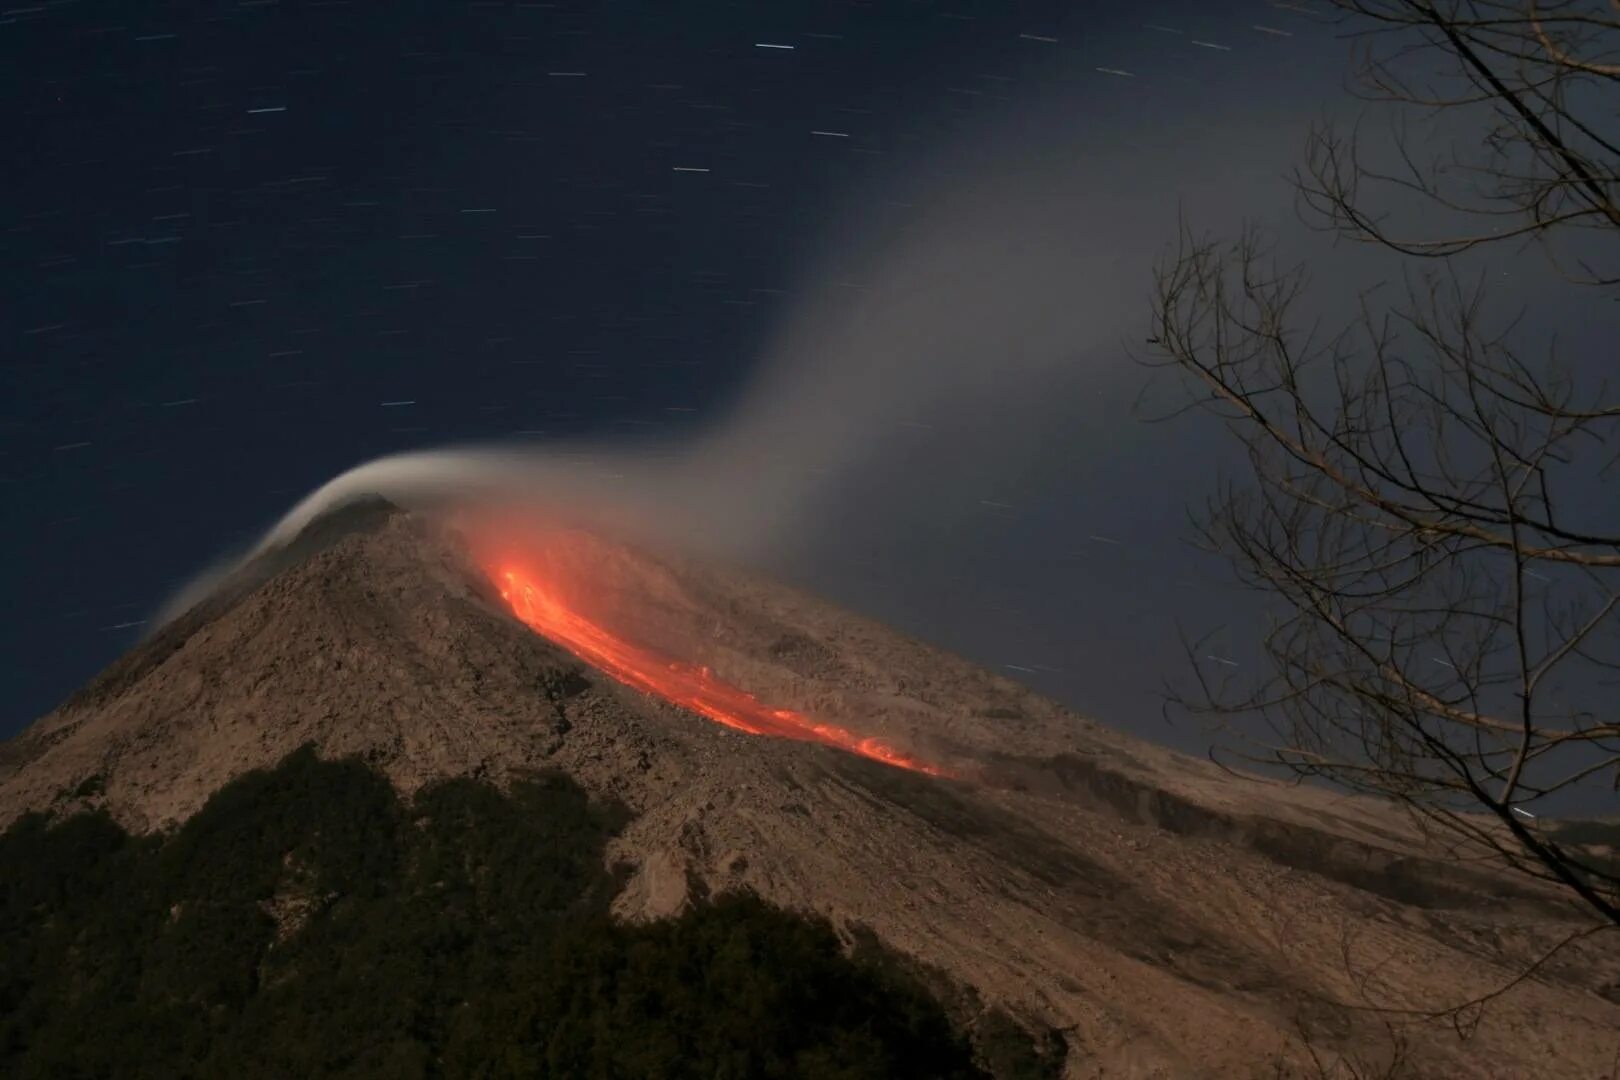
(687, 685)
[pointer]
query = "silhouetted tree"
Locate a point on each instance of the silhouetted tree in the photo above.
(306, 922)
(1427, 503)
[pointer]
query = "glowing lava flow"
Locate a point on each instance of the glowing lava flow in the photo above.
(687, 685)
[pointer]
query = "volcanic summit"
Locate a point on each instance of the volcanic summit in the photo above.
(1164, 916)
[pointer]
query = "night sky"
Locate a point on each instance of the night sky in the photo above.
(247, 246)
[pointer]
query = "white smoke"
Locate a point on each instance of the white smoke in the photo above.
(965, 322)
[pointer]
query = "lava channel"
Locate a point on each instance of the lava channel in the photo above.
(687, 685)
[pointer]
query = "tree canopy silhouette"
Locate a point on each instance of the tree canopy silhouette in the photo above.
(307, 922)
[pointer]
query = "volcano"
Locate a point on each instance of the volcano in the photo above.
(1165, 916)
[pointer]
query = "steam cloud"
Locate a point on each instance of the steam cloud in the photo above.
(956, 352)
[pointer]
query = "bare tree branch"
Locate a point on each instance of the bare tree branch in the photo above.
(1447, 605)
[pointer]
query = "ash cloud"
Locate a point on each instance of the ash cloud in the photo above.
(943, 415)
(998, 299)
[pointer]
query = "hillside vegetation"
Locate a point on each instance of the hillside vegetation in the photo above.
(308, 922)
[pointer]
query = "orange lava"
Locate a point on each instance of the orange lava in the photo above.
(687, 685)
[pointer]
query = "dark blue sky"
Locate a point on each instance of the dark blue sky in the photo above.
(249, 245)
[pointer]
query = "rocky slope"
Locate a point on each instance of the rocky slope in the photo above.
(1171, 919)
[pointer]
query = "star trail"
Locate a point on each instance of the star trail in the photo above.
(248, 246)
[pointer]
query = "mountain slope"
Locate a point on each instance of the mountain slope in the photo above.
(1170, 918)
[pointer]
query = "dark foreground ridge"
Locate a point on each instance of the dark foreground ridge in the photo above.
(309, 922)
